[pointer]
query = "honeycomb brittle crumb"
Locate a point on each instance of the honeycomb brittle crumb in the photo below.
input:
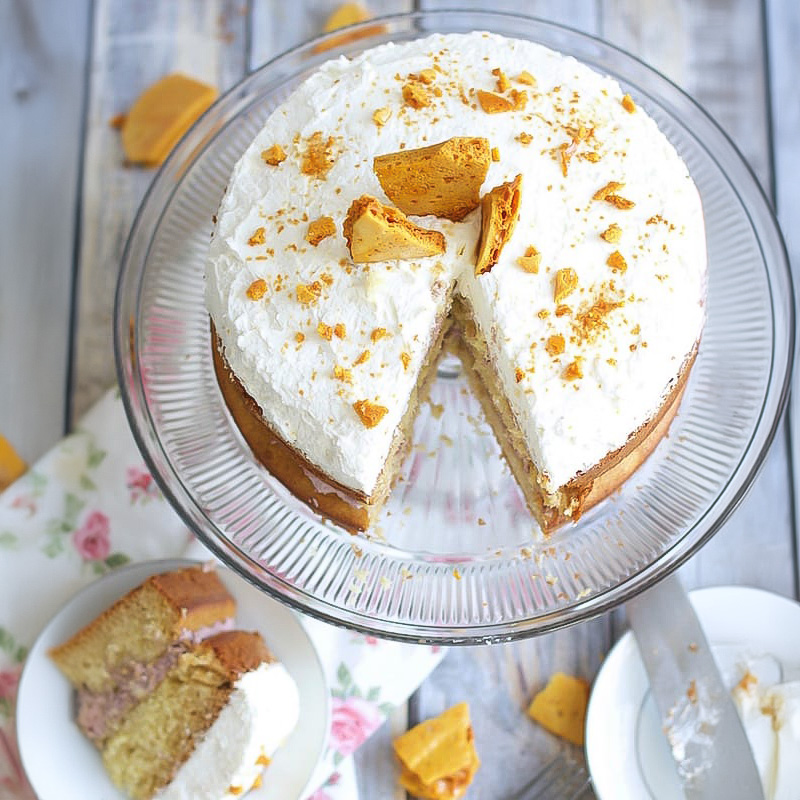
(617, 262)
(416, 96)
(531, 260)
(273, 155)
(381, 116)
(320, 229)
(259, 237)
(257, 289)
(612, 234)
(369, 413)
(564, 284)
(628, 104)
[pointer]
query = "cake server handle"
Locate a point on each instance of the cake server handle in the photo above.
(711, 751)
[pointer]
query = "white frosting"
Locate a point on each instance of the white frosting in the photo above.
(569, 425)
(261, 713)
(771, 719)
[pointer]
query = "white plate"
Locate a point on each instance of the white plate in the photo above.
(627, 754)
(62, 764)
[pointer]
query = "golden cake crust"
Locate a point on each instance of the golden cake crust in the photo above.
(142, 624)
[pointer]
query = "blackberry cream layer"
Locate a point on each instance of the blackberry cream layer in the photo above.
(468, 185)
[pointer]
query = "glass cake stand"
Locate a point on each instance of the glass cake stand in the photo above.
(456, 557)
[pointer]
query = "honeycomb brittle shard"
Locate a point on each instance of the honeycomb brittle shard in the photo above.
(375, 232)
(500, 209)
(443, 180)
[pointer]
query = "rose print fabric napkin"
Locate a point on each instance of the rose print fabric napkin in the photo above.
(89, 506)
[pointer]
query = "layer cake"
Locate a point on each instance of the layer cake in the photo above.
(472, 190)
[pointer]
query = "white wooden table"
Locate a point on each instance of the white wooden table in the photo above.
(66, 203)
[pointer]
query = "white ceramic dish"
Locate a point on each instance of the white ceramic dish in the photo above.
(62, 764)
(627, 754)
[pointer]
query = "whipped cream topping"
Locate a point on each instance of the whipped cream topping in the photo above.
(626, 329)
(771, 719)
(261, 713)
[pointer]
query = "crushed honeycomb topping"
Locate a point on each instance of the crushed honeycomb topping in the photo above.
(525, 78)
(524, 138)
(628, 104)
(262, 761)
(531, 260)
(320, 229)
(406, 359)
(554, 345)
(381, 116)
(563, 310)
(342, 374)
(378, 333)
(591, 321)
(235, 790)
(259, 237)
(339, 330)
(543, 313)
(325, 331)
(308, 293)
(257, 289)
(273, 155)
(617, 262)
(503, 84)
(319, 156)
(370, 414)
(612, 234)
(299, 337)
(416, 96)
(573, 370)
(495, 154)
(326, 278)
(518, 375)
(363, 358)
(564, 284)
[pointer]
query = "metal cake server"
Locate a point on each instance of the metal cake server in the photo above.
(711, 751)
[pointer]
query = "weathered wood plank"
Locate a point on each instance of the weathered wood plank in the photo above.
(714, 51)
(783, 35)
(277, 27)
(134, 45)
(580, 14)
(42, 77)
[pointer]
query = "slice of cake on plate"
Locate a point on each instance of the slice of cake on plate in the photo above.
(178, 703)
(122, 655)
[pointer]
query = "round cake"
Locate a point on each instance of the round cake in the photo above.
(466, 192)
